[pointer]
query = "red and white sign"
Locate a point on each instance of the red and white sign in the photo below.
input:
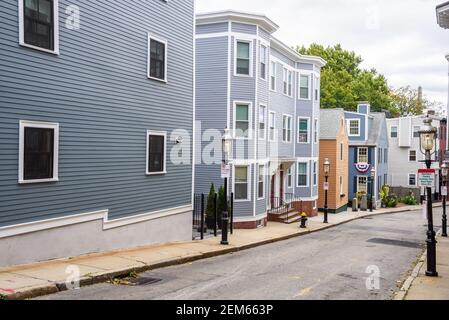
(426, 178)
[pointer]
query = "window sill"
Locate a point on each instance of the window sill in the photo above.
(156, 173)
(243, 75)
(302, 99)
(55, 52)
(158, 80)
(39, 181)
(242, 200)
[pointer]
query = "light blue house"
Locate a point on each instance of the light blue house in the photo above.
(368, 148)
(91, 95)
(269, 96)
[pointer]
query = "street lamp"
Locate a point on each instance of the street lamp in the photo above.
(444, 174)
(227, 151)
(427, 145)
(326, 169)
(373, 176)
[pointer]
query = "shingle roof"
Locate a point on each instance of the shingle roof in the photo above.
(377, 124)
(330, 123)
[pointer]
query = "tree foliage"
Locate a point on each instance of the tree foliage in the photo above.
(344, 83)
(407, 101)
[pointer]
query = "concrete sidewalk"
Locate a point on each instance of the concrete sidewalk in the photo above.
(420, 287)
(26, 281)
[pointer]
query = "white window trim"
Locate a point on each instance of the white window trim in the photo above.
(289, 174)
(269, 126)
(291, 128)
(341, 186)
(248, 182)
(251, 58)
(315, 180)
(348, 123)
(307, 172)
(416, 180)
(266, 122)
(413, 131)
(358, 153)
(250, 118)
(161, 134)
(275, 76)
(316, 132)
(267, 62)
(416, 156)
(44, 125)
(165, 42)
(309, 76)
(397, 132)
(55, 28)
(308, 130)
(366, 184)
(285, 79)
(263, 180)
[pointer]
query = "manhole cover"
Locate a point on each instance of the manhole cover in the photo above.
(398, 243)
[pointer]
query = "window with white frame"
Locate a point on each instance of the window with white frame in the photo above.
(304, 87)
(273, 75)
(156, 150)
(39, 24)
(362, 184)
(315, 173)
(362, 156)
(241, 183)
(341, 186)
(412, 156)
(272, 125)
(342, 147)
(242, 120)
(287, 129)
(289, 178)
(354, 127)
(302, 178)
(303, 130)
(394, 132)
(285, 80)
(262, 121)
(412, 179)
(290, 82)
(243, 58)
(261, 182)
(416, 131)
(379, 155)
(38, 152)
(263, 61)
(315, 132)
(316, 88)
(157, 64)
(385, 155)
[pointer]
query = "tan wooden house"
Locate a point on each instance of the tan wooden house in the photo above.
(334, 146)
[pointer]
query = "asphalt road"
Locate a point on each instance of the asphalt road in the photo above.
(332, 264)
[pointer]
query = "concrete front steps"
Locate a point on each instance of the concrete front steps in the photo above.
(289, 217)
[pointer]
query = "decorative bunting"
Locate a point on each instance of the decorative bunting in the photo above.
(362, 167)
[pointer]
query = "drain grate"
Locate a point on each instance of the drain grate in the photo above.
(143, 281)
(397, 243)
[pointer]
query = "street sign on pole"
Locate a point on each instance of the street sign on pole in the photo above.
(326, 186)
(444, 191)
(426, 178)
(225, 170)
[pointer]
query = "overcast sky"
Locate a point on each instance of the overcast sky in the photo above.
(400, 38)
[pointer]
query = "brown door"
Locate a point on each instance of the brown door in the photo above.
(273, 183)
(281, 191)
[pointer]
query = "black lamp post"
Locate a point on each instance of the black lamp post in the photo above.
(326, 169)
(227, 150)
(373, 176)
(444, 174)
(427, 143)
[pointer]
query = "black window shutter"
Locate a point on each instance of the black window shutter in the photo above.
(356, 155)
(371, 160)
(355, 186)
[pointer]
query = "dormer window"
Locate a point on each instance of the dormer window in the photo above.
(354, 127)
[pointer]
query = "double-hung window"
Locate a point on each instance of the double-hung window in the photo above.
(241, 183)
(416, 131)
(315, 173)
(156, 149)
(412, 156)
(242, 121)
(157, 64)
(273, 76)
(304, 87)
(302, 174)
(362, 184)
(412, 179)
(362, 155)
(39, 24)
(354, 127)
(290, 83)
(289, 178)
(287, 129)
(272, 125)
(261, 182)
(315, 132)
(394, 132)
(38, 152)
(243, 58)
(263, 62)
(285, 80)
(342, 147)
(316, 88)
(262, 122)
(303, 130)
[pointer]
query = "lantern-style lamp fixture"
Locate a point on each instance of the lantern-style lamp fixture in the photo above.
(227, 144)
(326, 167)
(373, 172)
(444, 169)
(427, 137)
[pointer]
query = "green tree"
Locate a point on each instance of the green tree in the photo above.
(408, 101)
(344, 83)
(210, 208)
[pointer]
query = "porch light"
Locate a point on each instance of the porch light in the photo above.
(326, 167)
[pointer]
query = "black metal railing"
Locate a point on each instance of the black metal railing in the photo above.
(207, 215)
(283, 206)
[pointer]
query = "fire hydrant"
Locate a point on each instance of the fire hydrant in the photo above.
(303, 220)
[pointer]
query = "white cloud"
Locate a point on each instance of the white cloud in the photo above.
(399, 38)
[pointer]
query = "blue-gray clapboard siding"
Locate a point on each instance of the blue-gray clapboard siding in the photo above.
(97, 90)
(212, 28)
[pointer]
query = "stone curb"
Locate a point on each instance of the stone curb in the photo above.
(51, 288)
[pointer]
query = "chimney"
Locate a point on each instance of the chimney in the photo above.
(364, 107)
(420, 102)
